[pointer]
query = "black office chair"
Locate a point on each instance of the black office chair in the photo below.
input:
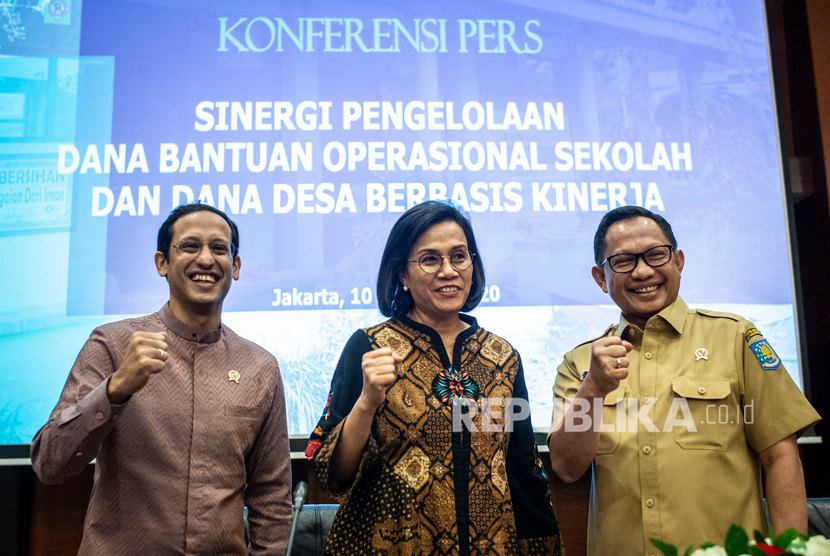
(313, 525)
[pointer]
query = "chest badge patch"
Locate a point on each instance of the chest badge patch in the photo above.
(765, 355)
(701, 353)
(233, 376)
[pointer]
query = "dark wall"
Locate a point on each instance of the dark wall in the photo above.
(801, 37)
(15, 508)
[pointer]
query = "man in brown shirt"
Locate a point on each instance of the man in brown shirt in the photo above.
(185, 419)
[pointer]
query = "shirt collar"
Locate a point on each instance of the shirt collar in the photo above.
(675, 315)
(184, 331)
(429, 331)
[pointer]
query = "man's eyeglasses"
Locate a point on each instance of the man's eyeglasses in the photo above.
(626, 262)
(432, 262)
(218, 248)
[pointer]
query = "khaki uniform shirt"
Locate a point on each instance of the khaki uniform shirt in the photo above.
(678, 449)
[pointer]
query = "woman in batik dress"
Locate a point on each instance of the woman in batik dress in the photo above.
(426, 437)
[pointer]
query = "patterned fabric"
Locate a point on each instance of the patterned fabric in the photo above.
(176, 462)
(453, 387)
(424, 486)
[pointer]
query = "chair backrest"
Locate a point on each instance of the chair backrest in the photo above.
(818, 516)
(313, 526)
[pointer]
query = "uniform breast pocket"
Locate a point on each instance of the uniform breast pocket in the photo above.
(703, 413)
(609, 436)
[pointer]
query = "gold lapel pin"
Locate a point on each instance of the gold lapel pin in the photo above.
(233, 376)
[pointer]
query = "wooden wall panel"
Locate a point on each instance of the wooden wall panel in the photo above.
(818, 21)
(58, 513)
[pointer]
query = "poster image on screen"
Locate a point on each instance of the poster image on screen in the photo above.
(316, 125)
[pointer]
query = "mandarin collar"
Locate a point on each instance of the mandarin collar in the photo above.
(675, 315)
(184, 331)
(429, 331)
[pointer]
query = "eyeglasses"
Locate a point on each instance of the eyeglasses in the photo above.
(432, 262)
(626, 262)
(218, 248)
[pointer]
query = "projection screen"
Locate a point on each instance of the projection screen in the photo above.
(316, 124)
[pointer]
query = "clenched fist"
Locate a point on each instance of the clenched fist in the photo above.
(146, 354)
(378, 374)
(609, 365)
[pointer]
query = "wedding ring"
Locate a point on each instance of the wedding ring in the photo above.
(619, 363)
(161, 354)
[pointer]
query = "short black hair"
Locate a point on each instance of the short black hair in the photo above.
(166, 231)
(392, 299)
(626, 213)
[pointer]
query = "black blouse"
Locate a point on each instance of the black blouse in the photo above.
(451, 466)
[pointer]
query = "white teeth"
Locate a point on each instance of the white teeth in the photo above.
(204, 278)
(646, 290)
(448, 289)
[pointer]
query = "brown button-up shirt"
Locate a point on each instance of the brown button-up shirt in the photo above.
(177, 461)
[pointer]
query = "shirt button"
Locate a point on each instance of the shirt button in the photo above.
(648, 355)
(78, 454)
(646, 450)
(650, 503)
(701, 390)
(99, 415)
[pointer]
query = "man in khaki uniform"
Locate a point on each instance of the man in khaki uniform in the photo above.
(678, 410)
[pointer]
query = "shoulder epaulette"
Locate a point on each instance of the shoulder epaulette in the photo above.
(719, 315)
(607, 330)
